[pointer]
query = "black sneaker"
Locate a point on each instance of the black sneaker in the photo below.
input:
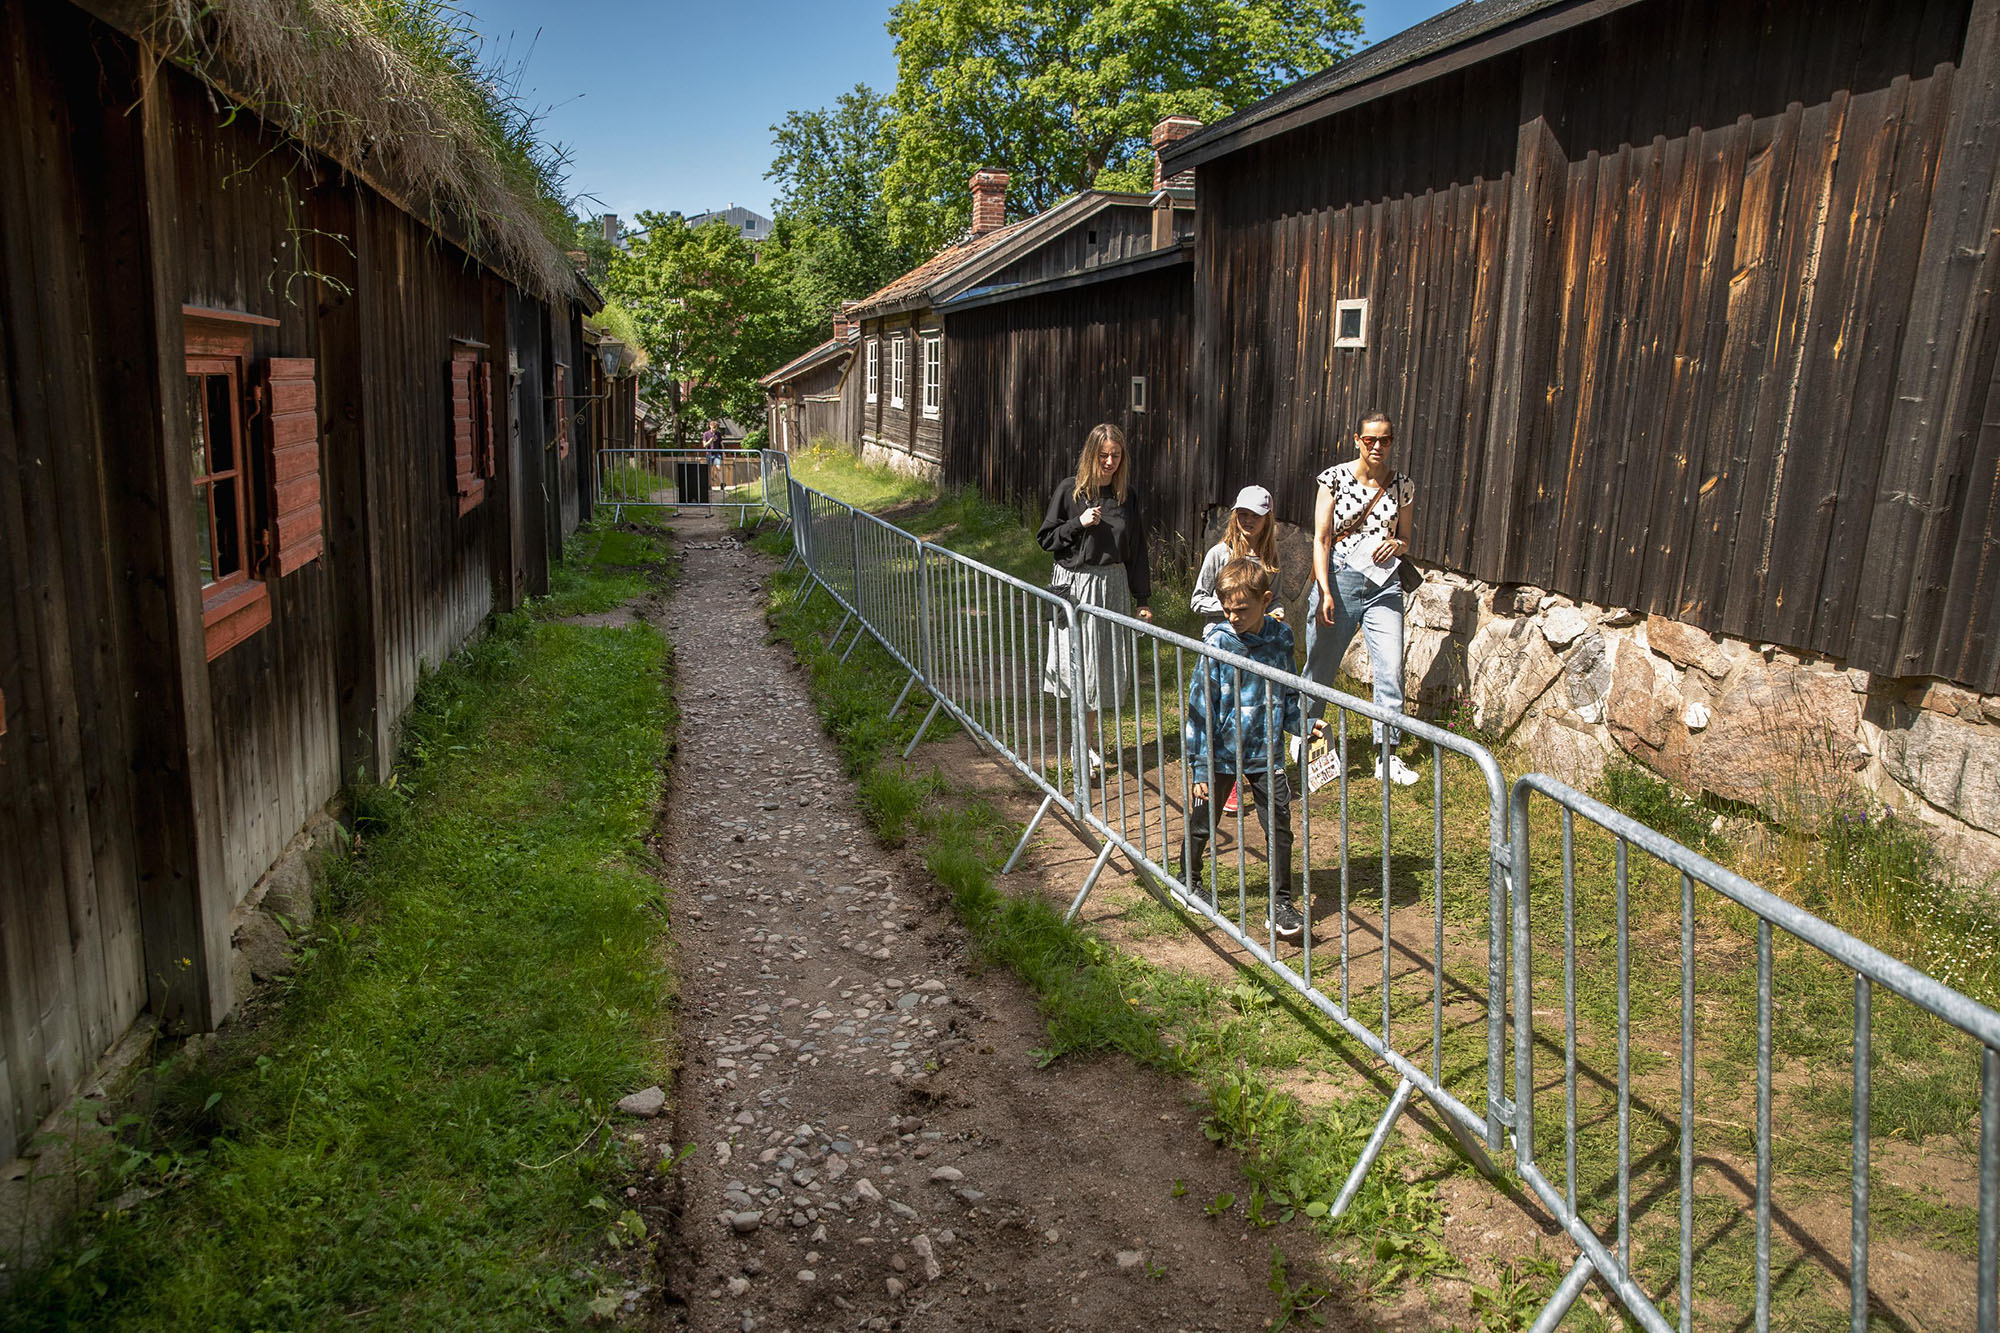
(1286, 923)
(1189, 877)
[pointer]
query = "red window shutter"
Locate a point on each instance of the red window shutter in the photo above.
(292, 425)
(562, 411)
(486, 393)
(465, 453)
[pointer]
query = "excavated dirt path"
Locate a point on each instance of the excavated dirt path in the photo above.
(875, 1146)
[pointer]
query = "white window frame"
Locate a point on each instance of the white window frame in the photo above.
(931, 385)
(1340, 309)
(874, 369)
(899, 369)
(1138, 393)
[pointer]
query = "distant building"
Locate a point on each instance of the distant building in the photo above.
(751, 226)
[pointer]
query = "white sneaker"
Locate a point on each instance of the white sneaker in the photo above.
(1097, 764)
(1400, 773)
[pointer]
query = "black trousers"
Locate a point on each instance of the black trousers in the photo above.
(1274, 811)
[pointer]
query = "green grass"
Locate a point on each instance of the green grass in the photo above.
(832, 469)
(408, 1135)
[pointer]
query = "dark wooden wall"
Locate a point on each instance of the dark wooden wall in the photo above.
(1025, 380)
(144, 789)
(1119, 231)
(1687, 309)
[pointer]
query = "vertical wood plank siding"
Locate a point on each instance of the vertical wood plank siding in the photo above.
(1644, 320)
(1026, 379)
(143, 789)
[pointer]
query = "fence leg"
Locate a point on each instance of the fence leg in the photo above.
(922, 727)
(791, 559)
(1027, 833)
(1089, 882)
(812, 586)
(1374, 1148)
(897, 707)
(1472, 1147)
(859, 631)
(838, 630)
(1572, 1287)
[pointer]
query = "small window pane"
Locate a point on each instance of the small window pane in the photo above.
(222, 423)
(202, 520)
(228, 559)
(198, 428)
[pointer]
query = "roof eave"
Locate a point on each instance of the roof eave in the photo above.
(1254, 124)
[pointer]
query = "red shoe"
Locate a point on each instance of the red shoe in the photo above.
(1230, 806)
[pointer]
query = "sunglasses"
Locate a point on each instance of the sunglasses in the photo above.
(1375, 439)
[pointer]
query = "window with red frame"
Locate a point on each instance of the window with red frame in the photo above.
(235, 603)
(471, 424)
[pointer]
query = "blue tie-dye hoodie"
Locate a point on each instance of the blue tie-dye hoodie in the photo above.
(1241, 698)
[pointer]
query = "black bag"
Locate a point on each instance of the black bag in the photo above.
(1409, 577)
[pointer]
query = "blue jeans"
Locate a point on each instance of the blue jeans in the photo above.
(1378, 613)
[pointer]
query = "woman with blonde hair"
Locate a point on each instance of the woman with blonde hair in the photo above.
(1096, 529)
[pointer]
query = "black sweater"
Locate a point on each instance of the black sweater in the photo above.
(1117, 538)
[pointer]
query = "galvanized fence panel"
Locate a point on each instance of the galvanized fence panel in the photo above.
(1089, 706)
(994, 649)
(1586, 1202)
(658, 479)
(1141, 803)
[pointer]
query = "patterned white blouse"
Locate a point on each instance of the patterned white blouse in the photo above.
(1351, 495)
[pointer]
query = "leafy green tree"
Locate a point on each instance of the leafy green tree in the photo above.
(597, 251)
(1063, 94)
(830, 242)
(706, 313)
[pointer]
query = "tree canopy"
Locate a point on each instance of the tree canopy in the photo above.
(706, 313)
(831, 239)
(1063, 94)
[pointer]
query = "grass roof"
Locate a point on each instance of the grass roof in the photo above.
(394, 90)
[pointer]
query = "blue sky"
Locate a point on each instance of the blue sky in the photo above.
(669, 105)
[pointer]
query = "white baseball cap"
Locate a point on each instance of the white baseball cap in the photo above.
(1255, 499)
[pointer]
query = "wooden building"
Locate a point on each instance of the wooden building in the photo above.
(1681, 305)
(809, 398)
(271, 446)
(1033, 367)
(895, 384)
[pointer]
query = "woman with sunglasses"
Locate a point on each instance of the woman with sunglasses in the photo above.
(1361, 532)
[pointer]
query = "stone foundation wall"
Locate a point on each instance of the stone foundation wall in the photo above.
(1575, 684)
(899, 460)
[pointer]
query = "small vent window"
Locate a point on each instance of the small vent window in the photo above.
(1138, 393)
(1350, 323)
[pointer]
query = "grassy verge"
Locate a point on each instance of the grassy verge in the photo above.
(407, 1135)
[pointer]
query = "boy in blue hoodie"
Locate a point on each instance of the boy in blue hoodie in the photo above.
(1230, 731)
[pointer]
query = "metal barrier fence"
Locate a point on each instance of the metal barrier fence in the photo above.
(1144, 802)
(649, 479)
(1051, 686)
(1870, 967)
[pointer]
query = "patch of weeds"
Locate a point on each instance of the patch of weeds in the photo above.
(1517, 1295)
(1638, 792)
(1294, 1302)
(604, 566)
(410, 1135)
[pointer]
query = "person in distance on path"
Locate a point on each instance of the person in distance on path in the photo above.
(1231, 727)
(1252, 532)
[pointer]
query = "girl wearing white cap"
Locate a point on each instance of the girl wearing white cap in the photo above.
(1251, 532)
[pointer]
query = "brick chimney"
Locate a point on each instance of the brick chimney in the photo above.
(1170, 130)
(989, 200)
